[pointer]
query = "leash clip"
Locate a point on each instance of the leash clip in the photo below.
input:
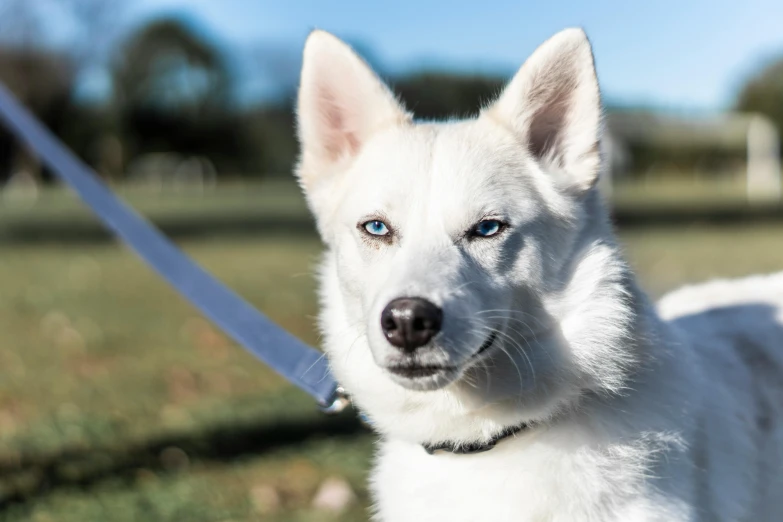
(337, 403)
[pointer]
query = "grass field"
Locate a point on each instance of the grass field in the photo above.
(118, 402)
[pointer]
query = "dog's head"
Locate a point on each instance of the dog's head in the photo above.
(454, 249)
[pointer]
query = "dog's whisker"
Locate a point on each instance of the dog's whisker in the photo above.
(518, 347)
(511, 313)
(521, 350)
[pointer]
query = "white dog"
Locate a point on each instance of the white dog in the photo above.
(478, 309)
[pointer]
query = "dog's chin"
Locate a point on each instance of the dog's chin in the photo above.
(419, 376)
(423, 378)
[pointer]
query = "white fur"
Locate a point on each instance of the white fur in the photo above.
(634, 416)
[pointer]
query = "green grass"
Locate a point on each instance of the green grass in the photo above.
(95, 325)
(118, 402)
(667, 257)
(99, 356)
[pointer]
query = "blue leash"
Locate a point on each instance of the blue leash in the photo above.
(300, 364)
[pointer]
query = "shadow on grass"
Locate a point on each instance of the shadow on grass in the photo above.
(32, 477)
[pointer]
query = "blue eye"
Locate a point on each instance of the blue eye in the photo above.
(376, 228)
(487, 228)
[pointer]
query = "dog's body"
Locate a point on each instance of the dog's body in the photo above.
(472, 285)
(701, 441)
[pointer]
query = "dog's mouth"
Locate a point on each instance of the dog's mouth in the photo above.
(414, 371)
(487, 344)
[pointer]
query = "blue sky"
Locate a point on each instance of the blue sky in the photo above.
(685, 54)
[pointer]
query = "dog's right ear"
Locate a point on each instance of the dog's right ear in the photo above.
(341, 103)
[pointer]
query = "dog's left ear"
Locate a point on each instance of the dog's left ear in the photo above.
(553, 105)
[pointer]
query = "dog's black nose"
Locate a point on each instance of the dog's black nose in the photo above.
(410, 322)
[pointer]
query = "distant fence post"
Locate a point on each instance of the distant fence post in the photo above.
(764, 173)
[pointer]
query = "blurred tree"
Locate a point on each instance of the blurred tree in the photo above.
(271, 132)
(167, 67)
(96, 28)
(40, 79)
(430, 95)
(44, 79)
(433, 95)
(763, 93)
(173, 93)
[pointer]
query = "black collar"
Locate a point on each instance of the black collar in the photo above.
(473, 447)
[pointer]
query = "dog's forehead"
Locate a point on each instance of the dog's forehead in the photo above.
(447, 164)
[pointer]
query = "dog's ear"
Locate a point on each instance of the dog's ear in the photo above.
(553, 105)
(341, 103)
